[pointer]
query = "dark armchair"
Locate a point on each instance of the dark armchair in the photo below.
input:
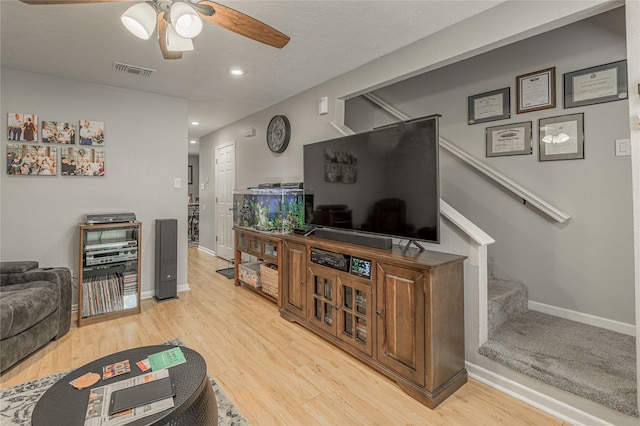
(35, 308)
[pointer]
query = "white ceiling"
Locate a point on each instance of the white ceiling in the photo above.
(328, 38)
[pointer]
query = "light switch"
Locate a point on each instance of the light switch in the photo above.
(177, 182)
(623, 147)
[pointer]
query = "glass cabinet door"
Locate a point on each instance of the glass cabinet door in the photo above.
(255, 244)
(354, 311)
(243, 241)
(322, 300)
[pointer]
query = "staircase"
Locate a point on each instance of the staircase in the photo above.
(588, 361)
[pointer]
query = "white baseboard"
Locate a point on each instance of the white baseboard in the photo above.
(206, 250)
(608, 324)
(534, 398)
(150, 294)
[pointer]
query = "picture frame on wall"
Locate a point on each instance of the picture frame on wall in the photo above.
(489, 106)
(561, 138)
(595, 85)
(91, 132)
(23, 159)
(536, 91)
(509, 139)
(22, 127)
(82, 161)
(58, 132)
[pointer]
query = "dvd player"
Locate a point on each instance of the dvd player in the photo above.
(107, 246)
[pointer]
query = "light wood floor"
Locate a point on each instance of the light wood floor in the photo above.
(276, 372)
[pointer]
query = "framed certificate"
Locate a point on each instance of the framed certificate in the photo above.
(510, 139)
(536, 90)
(562, 138)
(604, 83)
(489, 106)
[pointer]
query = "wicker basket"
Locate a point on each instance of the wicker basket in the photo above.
(269, 278)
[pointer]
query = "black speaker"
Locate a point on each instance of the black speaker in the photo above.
(373, 241)
(166, 267)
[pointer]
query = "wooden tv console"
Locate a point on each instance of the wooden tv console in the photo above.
(401, 314)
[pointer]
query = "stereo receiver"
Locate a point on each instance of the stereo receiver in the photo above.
(100, 254)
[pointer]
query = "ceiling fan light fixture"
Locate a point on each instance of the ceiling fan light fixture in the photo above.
(185, 20)
(175, 43)
(140, 20)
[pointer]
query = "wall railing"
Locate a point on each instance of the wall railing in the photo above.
(524, 194)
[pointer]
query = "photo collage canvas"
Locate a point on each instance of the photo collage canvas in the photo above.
(53, 148)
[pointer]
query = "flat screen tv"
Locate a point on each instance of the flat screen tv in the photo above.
(382, 182)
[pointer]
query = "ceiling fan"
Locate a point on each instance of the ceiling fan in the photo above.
(178, 21)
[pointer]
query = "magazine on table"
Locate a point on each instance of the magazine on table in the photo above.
(98, 404)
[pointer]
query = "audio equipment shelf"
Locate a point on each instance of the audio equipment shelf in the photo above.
(109, 271)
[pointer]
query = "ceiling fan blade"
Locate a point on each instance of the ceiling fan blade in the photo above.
(244, 25)
(162, 39)
(35, 2)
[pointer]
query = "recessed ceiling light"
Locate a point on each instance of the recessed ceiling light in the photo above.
(195, 123)
(192, 141)
(236, 71)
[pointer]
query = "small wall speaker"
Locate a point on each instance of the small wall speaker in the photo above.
(323, 105)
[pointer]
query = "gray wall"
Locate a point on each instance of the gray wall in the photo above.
(145, 147)
(568, 254)
(585, 265)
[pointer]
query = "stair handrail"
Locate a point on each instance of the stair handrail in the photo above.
(524, 194)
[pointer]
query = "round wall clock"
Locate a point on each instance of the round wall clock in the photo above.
(278, 133)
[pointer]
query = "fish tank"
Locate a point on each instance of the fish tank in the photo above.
(277, 210)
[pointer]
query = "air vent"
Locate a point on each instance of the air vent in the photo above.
(132, 69)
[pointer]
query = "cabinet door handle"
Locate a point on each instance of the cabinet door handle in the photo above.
(379, 312)
(301, 282)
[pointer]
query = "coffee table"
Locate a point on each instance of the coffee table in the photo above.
(195, 402)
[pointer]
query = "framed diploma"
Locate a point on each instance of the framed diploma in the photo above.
(536, 90)
(562, 138)
(510, 139)
(604, 83)
(489, 106)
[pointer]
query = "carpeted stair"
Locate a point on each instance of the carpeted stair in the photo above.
(507, 300)
(588, 361)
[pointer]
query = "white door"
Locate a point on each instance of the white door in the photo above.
(225, 182)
